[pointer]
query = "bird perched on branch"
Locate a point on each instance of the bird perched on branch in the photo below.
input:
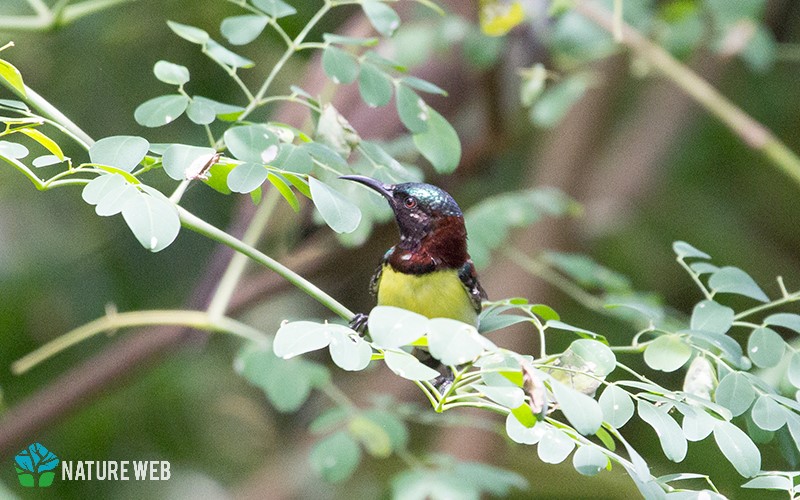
(429, 272)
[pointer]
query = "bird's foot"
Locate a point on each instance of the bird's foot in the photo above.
(359, 323)
(443, 382)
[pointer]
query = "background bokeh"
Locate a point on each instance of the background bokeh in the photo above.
(648, 165)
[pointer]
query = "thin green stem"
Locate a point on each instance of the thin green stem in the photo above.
(750, 131)
(194, 223)
(255, 230)
(696, 278)
(434, 402)
(481, 404)
(52, 113)
(793, 297)
(76, 11)
(291, 49)
(193, 319)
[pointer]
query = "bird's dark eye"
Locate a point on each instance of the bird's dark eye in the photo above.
(410, 202)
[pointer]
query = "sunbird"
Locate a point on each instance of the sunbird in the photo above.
(429, 271)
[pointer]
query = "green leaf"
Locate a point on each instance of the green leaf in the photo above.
(299, 183)
(252, 143)
(160, 110)
(349, 40)
(340, 66)
(173, 74)
(299, 337)
(583, 412)
(786, 320)
(227, 112)
(733, 280)
(422, 85)
(519, 433)
(275, 8)
(284, 189)
(703, 268)
(735, 392)
(768, 414)
(325, 155)
(554, 446)
(349, 351)
(765, 347)
(13, 150)
(453, 342)
(412, 110)
(109, 193)
(485, 478)
(510, 397)
(729, 347)
(407, 366)
(247, 177)
(11, 74)
(124, 152)
(738, 448)
(698, 425)
(382, 17)
(287, 383)
(374, 85)
(667, 353)
(295, 159)
(557, 100)
(241, 30)
(328, 420)
(336, 457)
(48, 143)
(46, 161)
(617, 406)
(186, 162)
(769, 483)
(673, 442)
(793, 371)
(589, 460)
(392, 327)
(341, 214)
(684, 250)
(761, 50)
(596, 356)
(218, 177)
(439, 144)
(588, 273)
(371, 436)
(200, 112)
(153, 219)
(190, 33)
(227, 57)
(711, 316)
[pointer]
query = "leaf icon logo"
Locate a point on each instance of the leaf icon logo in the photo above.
(34, 466)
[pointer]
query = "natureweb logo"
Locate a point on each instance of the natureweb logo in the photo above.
(35, 466)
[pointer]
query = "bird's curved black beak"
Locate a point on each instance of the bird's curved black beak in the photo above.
(384, 189)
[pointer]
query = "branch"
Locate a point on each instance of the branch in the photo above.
(750, 131)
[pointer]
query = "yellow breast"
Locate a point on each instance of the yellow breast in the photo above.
(439, 294)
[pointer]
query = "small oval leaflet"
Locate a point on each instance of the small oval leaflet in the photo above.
(407, 366)
(160, 110)
(152, 218)
(521, 434)
(673, 442)
(768, 414)
(453, 342)
(765, 347)
(554, 446)
(241, 30)
(589, 460)
(735, 392)
(298, 337)
(392, 327)
(349, 351)
(341, 215)
(667, 353)
(124, 152)
(336, 457)
(171, 73)
(617, 406)
(738, 448)
(247, 177)
(711, 316)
